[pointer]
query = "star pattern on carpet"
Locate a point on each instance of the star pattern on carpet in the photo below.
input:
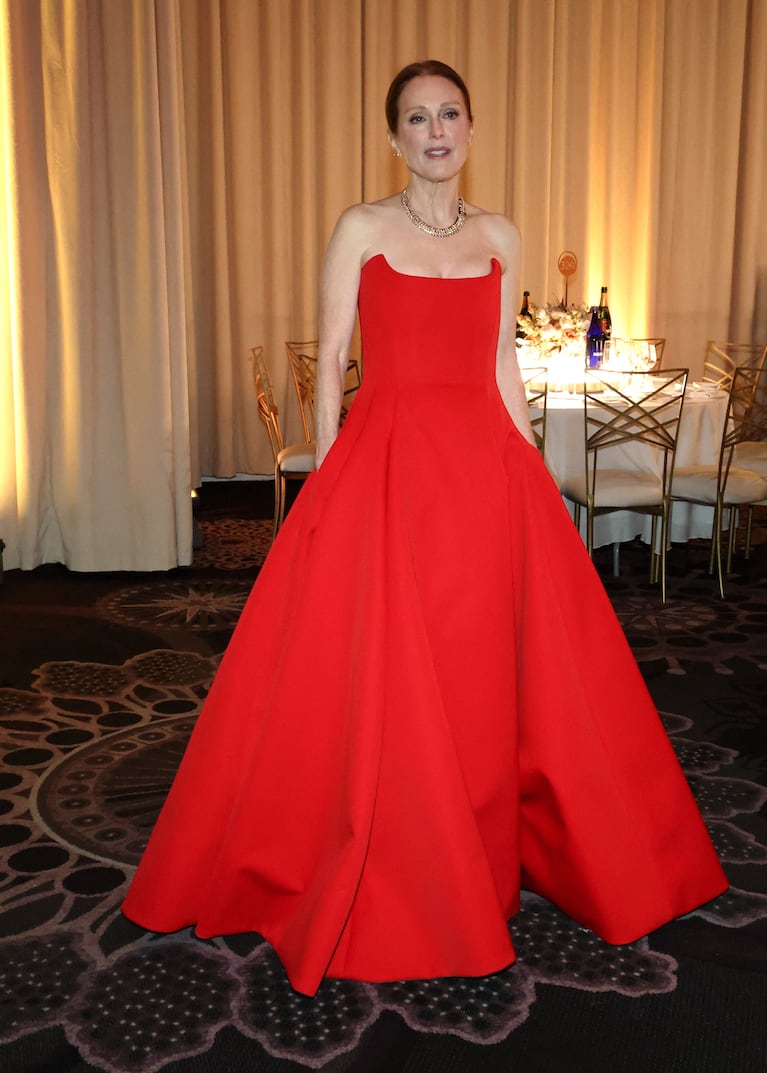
(198, 604)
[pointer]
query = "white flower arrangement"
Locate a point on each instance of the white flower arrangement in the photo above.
(553, 330)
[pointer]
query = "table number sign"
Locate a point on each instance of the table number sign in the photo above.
(567, 263)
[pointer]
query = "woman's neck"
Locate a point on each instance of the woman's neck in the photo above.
(436, 203)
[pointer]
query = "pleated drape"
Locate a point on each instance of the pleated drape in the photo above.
(172, 170)
(272, 114)
(748, 293)
(98, 474)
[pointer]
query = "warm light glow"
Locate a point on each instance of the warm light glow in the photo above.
(622, 164)
(8, 293)
(627, 280)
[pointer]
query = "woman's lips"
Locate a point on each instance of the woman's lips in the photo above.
(437, 154)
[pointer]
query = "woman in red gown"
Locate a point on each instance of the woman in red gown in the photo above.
(428, 702)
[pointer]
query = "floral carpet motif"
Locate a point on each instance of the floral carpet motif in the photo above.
(88, 750)
(88, 755)
(233, 543)
(690, 625)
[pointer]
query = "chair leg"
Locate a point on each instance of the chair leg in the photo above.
(731, 537)
(716, 535)
(616, 559)
(283, 497)
(590, 532)
(664, 528)
(749, 519)
(279, 491)
(716, 550)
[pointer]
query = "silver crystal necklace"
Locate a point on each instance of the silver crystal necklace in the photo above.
(435, 232)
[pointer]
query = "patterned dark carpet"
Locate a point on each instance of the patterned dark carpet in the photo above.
(101, 677)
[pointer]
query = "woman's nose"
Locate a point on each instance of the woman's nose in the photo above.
(437, 129)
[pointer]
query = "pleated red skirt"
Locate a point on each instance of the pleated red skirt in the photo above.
(428, 702)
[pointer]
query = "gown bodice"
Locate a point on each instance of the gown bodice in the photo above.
(425, 330)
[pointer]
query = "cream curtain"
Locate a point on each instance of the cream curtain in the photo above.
(748, 296)
(272, 97)
(171, 172)
(95, 468)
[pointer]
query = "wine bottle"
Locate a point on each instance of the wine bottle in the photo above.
(525, 311)
(595, 340)
(604, 314)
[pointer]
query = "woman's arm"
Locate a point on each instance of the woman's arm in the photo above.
(338, 310)
(507, 372)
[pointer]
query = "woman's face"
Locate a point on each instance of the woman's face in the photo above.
(434, 130)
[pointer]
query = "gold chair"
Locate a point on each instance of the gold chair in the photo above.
(751, 453)
(728, 485)
(630, 410)
(302, 360)
(722, 359)
(536, 384)
(632, 355)
(294, 462)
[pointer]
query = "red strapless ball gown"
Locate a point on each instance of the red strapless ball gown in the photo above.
(428, 701)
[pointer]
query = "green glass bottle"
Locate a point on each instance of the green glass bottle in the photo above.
(604, 314)
(526, 312)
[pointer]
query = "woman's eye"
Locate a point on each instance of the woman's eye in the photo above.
(416, 118)
(451, 113)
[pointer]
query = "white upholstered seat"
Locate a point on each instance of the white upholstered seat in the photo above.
(296, 461)
(731, 483)
(637, 415)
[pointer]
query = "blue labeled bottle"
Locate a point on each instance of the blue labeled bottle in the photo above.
(595, 340)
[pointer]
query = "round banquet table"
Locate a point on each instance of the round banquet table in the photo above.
(700, 433)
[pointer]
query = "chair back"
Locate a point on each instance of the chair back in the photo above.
(722, 359)
(302, 360)
(748, 405)
(267, 407)
(746, 420)
(630, 409)
(536, 384)
(755, 417)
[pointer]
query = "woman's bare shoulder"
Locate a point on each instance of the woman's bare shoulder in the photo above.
(495, 224)
(500, 233)
(368, 213)
(360, 225)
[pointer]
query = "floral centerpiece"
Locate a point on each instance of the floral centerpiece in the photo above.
(552, 331)
(554, 337)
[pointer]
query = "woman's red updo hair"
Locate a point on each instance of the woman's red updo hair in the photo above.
(418, 70)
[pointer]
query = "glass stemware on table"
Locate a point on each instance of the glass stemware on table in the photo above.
(565, 364)
(629, 355)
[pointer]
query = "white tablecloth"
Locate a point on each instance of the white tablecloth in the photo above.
(700, 436)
